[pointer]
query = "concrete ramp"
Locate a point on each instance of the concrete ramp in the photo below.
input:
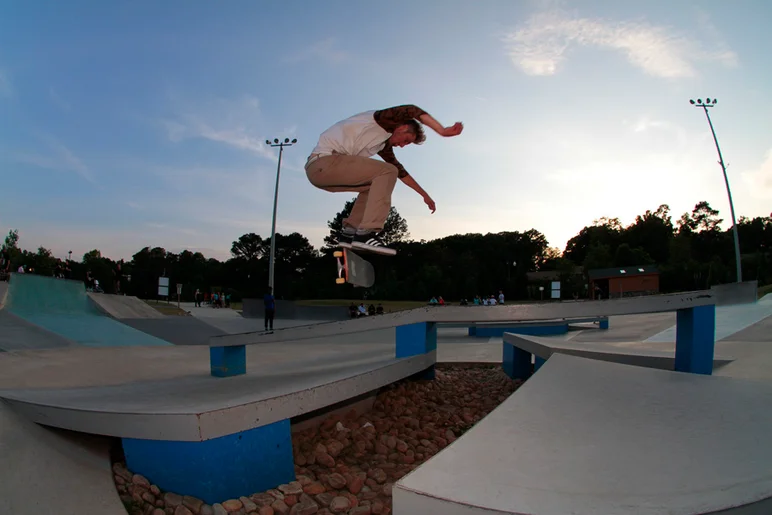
(62, 307)
(124, 306)
(3, 292)
(17, 334)
(588, 437)
(53, 471)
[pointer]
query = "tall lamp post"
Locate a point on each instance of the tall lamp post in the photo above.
(281, 145)
(705, 105)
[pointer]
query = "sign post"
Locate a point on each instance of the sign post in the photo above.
(179, 292)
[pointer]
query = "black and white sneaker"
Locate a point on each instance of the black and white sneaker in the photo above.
(372, 243)
(345, 240)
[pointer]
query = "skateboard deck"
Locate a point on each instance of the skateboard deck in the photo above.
(353, 269)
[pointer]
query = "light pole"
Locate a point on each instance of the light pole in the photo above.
(705, 105)
(276, 143)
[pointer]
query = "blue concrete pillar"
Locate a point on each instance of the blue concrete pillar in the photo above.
(416, 339)
(603, 324)
(218, 469)
(695, 339)
(228, 361)
(516, 362)
(538, 362)
(473, 330)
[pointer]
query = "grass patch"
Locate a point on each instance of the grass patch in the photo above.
(170, 309)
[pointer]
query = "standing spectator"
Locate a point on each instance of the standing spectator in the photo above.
(270, 308)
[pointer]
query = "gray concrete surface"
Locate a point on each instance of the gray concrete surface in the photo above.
(586, 437)
(3, 292)
(124, 306)
(18, 334)
(179, 330)
(728, 294)
(195, 408)
(289, 310)
(52, 471)
(628, 353)
(472, 314)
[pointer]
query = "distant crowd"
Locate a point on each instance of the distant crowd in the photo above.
(477, 300)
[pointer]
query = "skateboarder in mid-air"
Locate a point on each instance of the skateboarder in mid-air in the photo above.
(341, 162)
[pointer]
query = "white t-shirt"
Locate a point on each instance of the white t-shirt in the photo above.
(358, 135)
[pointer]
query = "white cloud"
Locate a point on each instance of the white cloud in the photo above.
(542, 44)
(235, 123)
(59, 158)
(760, 179)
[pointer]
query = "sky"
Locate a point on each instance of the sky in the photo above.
(132, 124)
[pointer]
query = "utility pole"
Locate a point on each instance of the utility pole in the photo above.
(705, 105)
(281, 145)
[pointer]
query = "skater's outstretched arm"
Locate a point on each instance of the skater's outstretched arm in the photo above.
(411, 182)
(393, 117)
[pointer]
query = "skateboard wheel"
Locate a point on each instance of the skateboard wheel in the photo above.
(338, 253)
(340, 280)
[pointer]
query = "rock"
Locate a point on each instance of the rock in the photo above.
(232, 505)
(172, 500)
(218, 509)
(280, 507)
(355, 484)
(337, 481)
(292, 488)
(264, 499)
(314, 488)
(140, 480)
(275, 493)
(265, 510)
(248, 504)
(325, 498)
(325, 459)
(334, 448)
(305, 506)
(387, 489)
(158, 511)
(192, 503)
(360, 510)
(339, 504)
(182, 510)
(206, 509)
(155, 490)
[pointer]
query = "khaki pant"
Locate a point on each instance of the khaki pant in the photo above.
(373, 179)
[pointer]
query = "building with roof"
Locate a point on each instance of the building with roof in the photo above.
(625, 281)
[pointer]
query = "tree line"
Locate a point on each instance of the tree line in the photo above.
(691, 253)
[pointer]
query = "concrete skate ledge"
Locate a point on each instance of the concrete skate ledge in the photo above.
(591, 437)
(626, 353)
(477, 314)
(535, 328)
(200, 408)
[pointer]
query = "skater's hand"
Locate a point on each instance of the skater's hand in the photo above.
(430, 203)
(453, 130)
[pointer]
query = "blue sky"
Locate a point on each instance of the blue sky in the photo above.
(126, 124)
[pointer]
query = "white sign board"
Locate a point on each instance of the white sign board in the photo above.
(555, 290)
(163, 286)
(179, 289)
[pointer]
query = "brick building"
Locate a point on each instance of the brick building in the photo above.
(626, 281)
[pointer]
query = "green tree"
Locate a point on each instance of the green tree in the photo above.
(395, 229)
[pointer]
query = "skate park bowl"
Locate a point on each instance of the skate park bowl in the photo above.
(205, 420)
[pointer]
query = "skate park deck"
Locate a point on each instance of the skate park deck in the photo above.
(585, 437)
(73, 370)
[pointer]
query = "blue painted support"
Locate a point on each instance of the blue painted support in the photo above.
(603, 324)
(219, 469)
(472, 330)
(538, 362)
(516, 362)
(228, 361)
(416, 339)
(695, 339)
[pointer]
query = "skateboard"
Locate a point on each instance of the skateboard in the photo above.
(353, 269)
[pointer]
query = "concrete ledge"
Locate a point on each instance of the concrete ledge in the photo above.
(200, 408)
(591, 437)
(729, 294)
(626, 353)
(478, 314)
